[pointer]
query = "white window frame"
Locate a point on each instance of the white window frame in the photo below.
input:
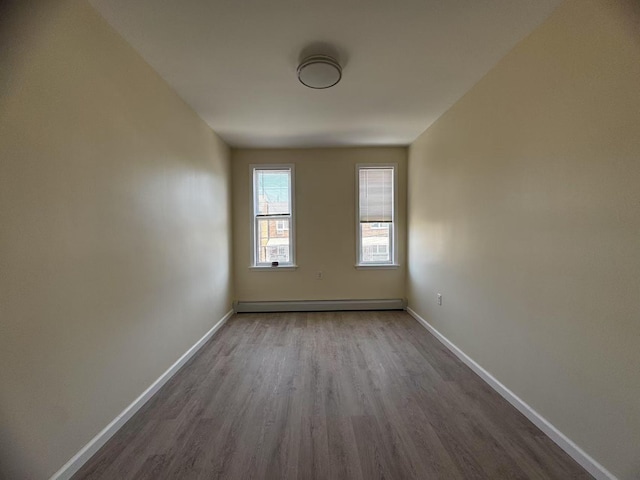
(254, 218)
(393, 234)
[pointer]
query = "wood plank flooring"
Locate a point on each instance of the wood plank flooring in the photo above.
(335, 395)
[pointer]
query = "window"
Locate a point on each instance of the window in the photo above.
(376, 214)
(278, 253)
(272, 225)
(281, 226)
(378, 226)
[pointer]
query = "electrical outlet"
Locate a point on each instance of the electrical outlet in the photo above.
(319, 275)
(439, 299)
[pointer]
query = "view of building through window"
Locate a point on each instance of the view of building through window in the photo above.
(273, 245)
(375, 242)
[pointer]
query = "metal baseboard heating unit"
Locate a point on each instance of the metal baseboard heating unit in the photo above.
(320, 305)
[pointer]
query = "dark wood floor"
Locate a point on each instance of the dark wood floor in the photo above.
(339, 395)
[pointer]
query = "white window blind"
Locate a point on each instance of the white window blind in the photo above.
(376, 195)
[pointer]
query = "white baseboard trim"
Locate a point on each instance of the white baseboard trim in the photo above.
(564, 442)
(320, 305)
(80, 458)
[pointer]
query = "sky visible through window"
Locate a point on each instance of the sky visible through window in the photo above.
(273, 192)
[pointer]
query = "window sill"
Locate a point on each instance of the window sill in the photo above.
(377, 266)
(269, 268)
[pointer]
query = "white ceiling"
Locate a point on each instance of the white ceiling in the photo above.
(405, 62)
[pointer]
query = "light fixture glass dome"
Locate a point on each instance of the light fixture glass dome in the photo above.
(319, 71)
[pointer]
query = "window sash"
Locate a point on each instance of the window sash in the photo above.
(256, 242)
(390, 250)
(375, 194)
(278, 207)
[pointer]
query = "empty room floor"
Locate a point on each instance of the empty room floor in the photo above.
(331, 395)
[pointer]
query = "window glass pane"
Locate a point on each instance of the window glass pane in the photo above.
(374, 244)
(376, 194)
(272, 192)
(272, 244)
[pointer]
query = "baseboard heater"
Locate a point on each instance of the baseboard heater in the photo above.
(319, 305)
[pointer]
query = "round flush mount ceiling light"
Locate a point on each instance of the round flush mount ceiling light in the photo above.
(319, 71)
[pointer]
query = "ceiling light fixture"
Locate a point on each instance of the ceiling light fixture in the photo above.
(319, 71)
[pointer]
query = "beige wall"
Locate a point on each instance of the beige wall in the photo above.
(325, 227)
(114, 244)
(524, 212)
